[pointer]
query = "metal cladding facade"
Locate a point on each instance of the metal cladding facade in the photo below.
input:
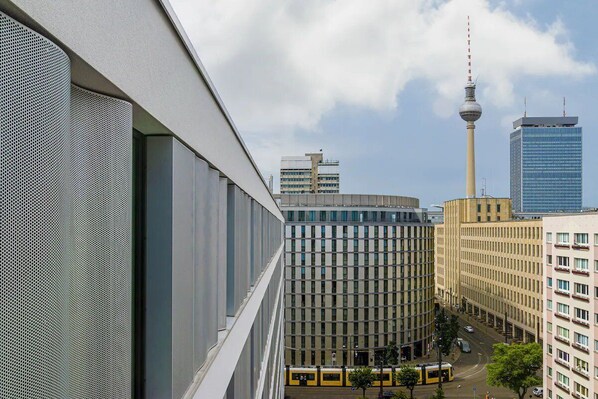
(132, 265)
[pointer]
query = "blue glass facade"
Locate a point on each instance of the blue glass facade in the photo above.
(546, 166)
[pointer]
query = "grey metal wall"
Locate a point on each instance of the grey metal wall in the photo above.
(100, 272)
(34, 214)
(65, 222)
(207, 243)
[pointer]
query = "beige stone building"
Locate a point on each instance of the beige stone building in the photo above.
(490, 265)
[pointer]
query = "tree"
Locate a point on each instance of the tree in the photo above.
(515, 367)
(446, 329)
(392, 353)
(409, 377)
(362, 378)
(400, 395)
(439, 394)
(446, 333)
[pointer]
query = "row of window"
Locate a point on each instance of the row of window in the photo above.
(563, 310)
(351, 216)
(564, 334)
(578, 238)
(564, 286)
(409, 232)
(580, 264)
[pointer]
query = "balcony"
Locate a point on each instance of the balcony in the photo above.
(562, 269)
(561, 339)
(562, 316)
(581, 322)
(562, 293)
(581, 272)
(579, 371)
(562, 245)
(581, 297)
(562, 363)
(562, 386)
(580, 347)
(580, 246)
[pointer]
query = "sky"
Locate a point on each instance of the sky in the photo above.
(377, 84)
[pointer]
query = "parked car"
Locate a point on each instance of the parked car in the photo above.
(538, 391)
(469, 329)
(464, 346)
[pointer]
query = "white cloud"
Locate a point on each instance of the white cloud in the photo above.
(280, 65)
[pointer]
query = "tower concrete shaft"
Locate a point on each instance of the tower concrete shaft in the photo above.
(470, 182)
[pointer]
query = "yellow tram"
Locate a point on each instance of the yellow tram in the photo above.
(339, 376)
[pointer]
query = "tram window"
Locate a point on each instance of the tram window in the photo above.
(331, 377)
(307, 377)
(433, 374)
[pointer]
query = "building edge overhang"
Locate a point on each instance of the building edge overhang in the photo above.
(347, 200)
(20, 14)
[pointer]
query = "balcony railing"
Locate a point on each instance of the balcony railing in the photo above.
(562, 293)
(580, 347)
(562, 363)
(561, 268)
(579, 371)
(581, 297)
(562, 386)
(582, 272)
(581, 322)
(562, 339)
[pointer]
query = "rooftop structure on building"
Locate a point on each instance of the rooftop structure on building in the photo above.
(546, 164)
(310, 173)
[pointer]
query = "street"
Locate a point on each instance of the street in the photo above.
(470, 374)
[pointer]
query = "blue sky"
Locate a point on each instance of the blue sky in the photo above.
(377, 84)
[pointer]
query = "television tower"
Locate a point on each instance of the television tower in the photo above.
(470, 112)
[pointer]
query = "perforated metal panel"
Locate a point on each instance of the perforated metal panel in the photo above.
(34, 209)
(100, 277)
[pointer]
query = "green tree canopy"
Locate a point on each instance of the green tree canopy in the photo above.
(515, 367)
(408, 376)
(392, 353)
(361, 378)
(446, 331)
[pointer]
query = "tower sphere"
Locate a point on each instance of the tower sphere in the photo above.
(470, 111)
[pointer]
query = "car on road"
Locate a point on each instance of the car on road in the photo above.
(538, 391)
(469, 329)
(464, 346)
(388, 395)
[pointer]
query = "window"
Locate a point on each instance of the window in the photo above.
(562, 355)
(562, 332)
(595, 239)
(596, 345)
(549, 259)
(549, 349)
(562, 261)
(562, 308)
(549, 304)
(549, 282)
(582, 365)
(549, 327)
(581, 238)
(582, 289)
(582, 340)
(581, 264)
(562, 379)
(562, 285)
(581, 390)
(582, 314)
(596, 265)
(595, 318)
(549, 237)
(562, 238)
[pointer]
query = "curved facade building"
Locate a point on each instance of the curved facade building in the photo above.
(359, 275)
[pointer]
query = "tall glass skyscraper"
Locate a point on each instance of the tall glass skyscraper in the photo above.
(546, 164)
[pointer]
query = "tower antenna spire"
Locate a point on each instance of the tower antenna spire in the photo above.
(564, 107)
(468, 51)
(524, 106)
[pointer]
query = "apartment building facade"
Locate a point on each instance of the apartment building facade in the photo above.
(571, 311)
(359, 275)
(490, 266)
(141, 251)
(309, 174)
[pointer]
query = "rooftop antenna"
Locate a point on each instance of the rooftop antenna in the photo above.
(564, 108)
(524, 107)
(468, 51)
